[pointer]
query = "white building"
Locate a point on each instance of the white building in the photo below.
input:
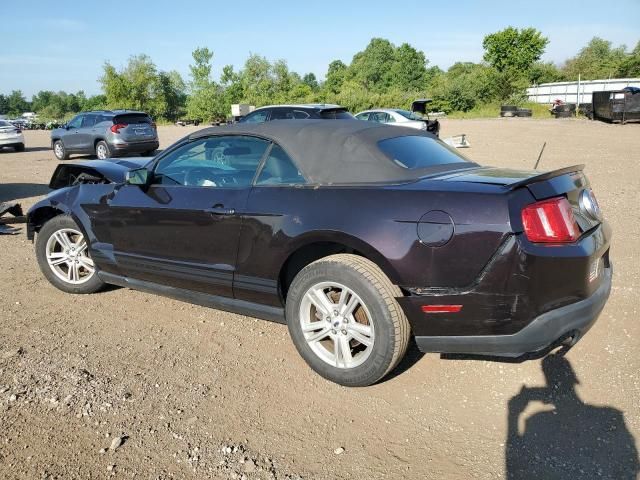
(577, 92)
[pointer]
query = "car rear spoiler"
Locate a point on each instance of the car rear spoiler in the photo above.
(544, 176)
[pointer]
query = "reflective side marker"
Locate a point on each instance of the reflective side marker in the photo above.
(441, 308)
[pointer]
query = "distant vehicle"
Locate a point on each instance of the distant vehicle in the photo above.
(11, 136)
(297, 112)
(401, 118)
(106, 133)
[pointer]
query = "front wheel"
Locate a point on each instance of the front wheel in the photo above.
(63, 257)
(59, 151)
(345, 321)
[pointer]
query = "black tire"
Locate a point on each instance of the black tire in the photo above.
(19, 147)
(508, 108)
(59, 151)
(523, 112)
(508, 114)
(91, 285)
(569, 107)
(150, 153)
(564, 114)
(101, 147)
(377, 293)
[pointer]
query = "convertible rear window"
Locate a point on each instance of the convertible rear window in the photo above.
(416, 151)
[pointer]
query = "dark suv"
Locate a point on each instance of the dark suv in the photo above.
(297, 112)
(106, 133)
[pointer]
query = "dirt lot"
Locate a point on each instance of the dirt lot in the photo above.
(198, 393)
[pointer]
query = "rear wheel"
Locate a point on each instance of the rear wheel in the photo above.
(19, 147)
(102, 150)
(59, 151)
(63, 257)
(150, 153)
(344, 320)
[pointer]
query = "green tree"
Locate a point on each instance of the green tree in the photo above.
(372, 67)
(205, 101)
(597, 60)
(17, 104)
(513, 52)
(514, 49)
(464, 86)
(311, 81)
(336, 74)
(4, 105)
(545, 72)
(409, 68)
(139, 86)
(630, 66)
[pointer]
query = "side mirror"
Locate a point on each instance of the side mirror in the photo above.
(139, 176)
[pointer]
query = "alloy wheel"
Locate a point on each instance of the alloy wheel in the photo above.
(68, 258)
(101, 152)
(337, 325)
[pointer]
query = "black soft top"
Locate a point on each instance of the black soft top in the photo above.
(330, 152)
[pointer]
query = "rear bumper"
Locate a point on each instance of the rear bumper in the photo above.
(12, 141)
(133, 147)
(573, 320)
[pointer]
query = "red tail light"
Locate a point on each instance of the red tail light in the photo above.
(116, 128)
(550, 221)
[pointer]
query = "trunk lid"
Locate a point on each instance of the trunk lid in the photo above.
(570, 182)
(138, 127)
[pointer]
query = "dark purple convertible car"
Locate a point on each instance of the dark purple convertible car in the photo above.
(359, 236)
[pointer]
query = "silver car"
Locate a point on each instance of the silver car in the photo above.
(11, 136)
(106, 133)
(404, 118)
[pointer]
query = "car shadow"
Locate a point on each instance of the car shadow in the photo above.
(566, 437)
(412, 357)
(38, 149)
(12, 191)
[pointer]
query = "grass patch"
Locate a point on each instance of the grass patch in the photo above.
(492, 110)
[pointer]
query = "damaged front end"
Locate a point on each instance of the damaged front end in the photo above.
(77, 182)
(96, 171)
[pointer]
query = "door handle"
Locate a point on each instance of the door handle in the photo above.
(219, 209)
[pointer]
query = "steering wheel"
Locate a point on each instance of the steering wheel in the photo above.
(199, 177)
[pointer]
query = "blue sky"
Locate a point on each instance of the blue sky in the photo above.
(61, 45)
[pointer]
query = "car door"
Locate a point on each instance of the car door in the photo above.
(71, 137)
(85, 134)
(183, 229)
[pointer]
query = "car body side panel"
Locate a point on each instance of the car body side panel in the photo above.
(278, 221)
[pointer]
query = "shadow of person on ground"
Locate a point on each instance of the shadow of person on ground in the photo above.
(14, 191)
(570, 440)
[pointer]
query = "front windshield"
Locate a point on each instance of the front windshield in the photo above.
(409, 115)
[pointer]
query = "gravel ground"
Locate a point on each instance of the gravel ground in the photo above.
(127, 384)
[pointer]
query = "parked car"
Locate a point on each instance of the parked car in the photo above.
(106, 133)
(401, 118)
(357, 235)
(11, 136)
(298, 112)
